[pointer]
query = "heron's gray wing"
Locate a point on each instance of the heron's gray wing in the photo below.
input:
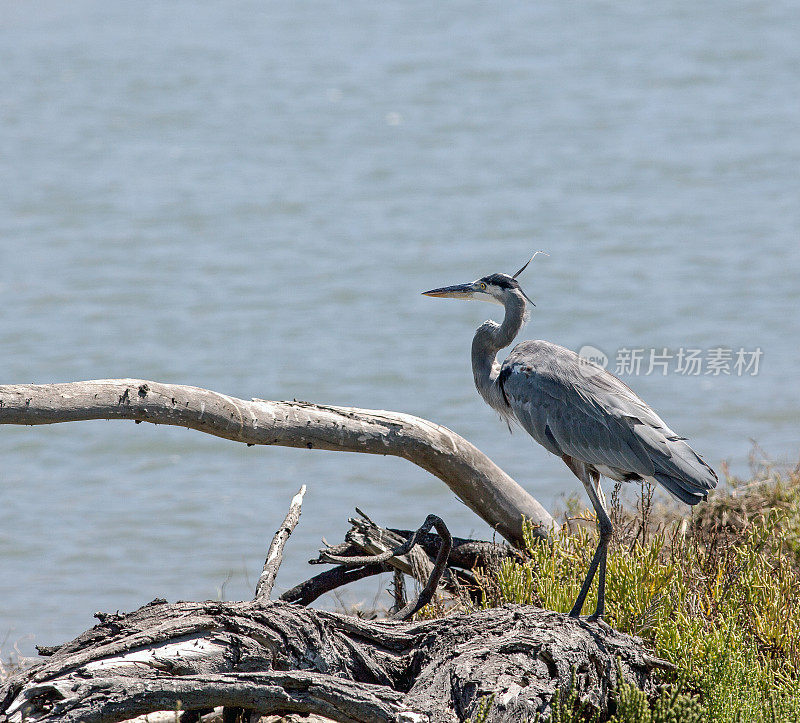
(564, 415)
(589, 414)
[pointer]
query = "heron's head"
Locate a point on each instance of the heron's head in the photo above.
(495, 288)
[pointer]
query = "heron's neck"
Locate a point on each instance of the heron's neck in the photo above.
(489, 339)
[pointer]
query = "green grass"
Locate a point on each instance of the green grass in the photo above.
(717, 594)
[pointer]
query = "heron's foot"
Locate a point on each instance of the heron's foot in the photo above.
(575, 612)
(594, 619)
(599, 612)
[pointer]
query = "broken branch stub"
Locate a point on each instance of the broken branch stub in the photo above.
(266, 580)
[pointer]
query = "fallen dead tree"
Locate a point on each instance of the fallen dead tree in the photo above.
(266, 657)
(277, 657)
(469, 473)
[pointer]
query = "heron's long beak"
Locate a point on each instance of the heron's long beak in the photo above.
(459, 291)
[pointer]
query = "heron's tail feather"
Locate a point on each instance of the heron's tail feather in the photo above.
(684, 474)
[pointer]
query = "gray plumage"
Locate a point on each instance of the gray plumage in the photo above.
(578, 411)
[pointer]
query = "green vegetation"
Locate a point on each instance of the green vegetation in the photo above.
(670, 706)
(717, 594)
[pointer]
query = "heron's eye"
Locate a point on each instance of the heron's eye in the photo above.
(483, 286)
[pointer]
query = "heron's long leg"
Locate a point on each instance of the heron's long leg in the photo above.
(601, 583)
(591, 483)
(587, 583)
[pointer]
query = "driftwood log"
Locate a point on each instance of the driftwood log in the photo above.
(275, 657)
(469, 473)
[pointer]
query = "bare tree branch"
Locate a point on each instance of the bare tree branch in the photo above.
(466, 554)
(366, 536)
(427, 593)
(275, 554)
(472, 476)
(306, 592)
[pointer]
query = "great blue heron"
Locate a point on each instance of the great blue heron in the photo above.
(578, 411)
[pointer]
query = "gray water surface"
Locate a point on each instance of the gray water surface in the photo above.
(250, 197)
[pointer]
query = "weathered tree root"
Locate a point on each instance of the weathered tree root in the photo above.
(365, 536)
(272, 657)
(427, 593)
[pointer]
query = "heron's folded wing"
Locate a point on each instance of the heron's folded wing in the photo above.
(567, 416)
(589, 414)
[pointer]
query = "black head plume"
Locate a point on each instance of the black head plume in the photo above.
(527, 262)
(523, 269)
